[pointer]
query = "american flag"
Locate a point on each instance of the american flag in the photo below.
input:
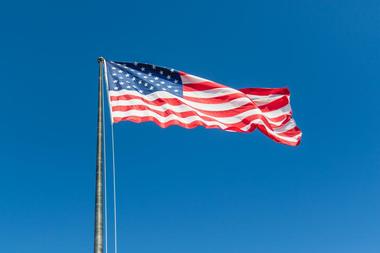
(142, 92)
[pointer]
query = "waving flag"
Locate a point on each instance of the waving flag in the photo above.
(142, 92)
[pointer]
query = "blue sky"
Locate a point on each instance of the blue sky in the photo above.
(193, 190)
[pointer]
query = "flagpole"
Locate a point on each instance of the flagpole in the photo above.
(98, 242)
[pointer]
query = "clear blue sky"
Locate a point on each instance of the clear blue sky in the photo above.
(197, 190)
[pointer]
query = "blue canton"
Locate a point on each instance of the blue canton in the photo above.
(143, 78)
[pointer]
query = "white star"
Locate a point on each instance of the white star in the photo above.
(163, 89)
(121, 83)
(133, 78)
(176, 90)
(126, 75)
(161, 72)
(175, 81)
(114, 81)
(114, 74)
(145, 84)
(140, 91)
(135, 63)
(113, 68)
(151, 88)
(139, 73)
(120, 77)
(140, 82)
(152, 81)
(145, 77)
(162, 82)
(149, 74)
(169, 86)
(142, 69)
(128, 87)
(120, 71)
(168, 77)
(172, 70)
(156, 78)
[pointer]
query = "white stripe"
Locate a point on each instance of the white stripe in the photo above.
(211, 93)
(270, 96)
(193, 79)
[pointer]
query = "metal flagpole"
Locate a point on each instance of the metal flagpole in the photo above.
(98, 242)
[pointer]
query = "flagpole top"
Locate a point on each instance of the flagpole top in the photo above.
(101, 59)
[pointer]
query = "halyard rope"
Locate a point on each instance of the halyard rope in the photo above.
(105, 184)
(114, 188)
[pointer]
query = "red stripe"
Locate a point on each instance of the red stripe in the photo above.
(200, 86)
(265, 91)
